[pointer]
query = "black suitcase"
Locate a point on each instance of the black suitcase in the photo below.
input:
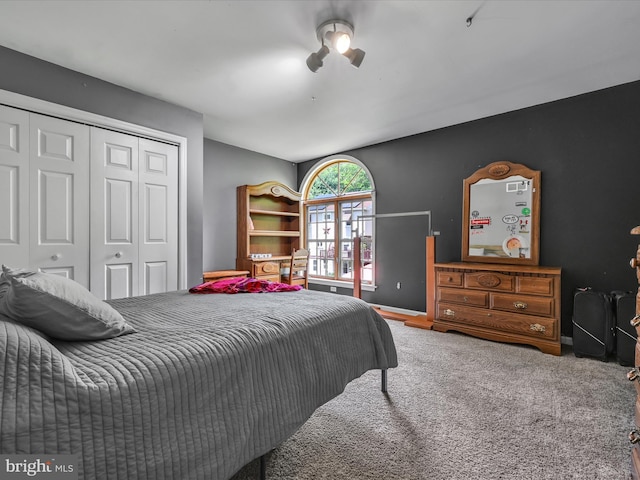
(593, 324)
(624, 309)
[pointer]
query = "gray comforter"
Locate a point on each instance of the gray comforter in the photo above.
(208, 382)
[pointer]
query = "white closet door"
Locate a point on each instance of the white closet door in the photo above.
(114, 214)
(59, 197)
(14, 187)
(158, 252)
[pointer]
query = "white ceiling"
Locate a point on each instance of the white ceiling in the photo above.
(242, 63)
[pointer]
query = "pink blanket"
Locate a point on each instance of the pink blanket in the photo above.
(243, 285)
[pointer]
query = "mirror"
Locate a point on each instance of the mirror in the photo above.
(501, 215)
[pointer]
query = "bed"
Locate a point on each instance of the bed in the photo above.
(198, 387)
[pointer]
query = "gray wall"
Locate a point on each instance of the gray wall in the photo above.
(35, 78)
(588, 150)
(225, 168)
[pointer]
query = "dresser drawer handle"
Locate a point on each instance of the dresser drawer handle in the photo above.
(633, 374)
(449, 313)
(634, 436)
(536, 327)
(635, 321)
(520, 305)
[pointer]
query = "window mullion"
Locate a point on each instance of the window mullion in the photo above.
(336, 240)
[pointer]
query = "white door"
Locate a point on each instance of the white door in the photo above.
(158, 248)
(14, 187)
(114, 214)
(134, 220)
(59, 197)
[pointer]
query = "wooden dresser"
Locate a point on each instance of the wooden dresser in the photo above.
(634, 375)
(506, 303)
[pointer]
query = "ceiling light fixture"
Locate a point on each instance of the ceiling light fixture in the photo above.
(338, 35)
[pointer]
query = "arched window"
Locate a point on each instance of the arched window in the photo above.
(336, 194)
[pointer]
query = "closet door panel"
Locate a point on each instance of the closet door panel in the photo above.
(159, 217)
(114, 219)
(118, 211)
(14, 187)
(59, 197)
(55, 197)
(119, 280)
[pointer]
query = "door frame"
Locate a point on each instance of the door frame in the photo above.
(43, 107)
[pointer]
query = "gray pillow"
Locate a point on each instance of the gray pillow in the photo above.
(4, 286)
(58, 307)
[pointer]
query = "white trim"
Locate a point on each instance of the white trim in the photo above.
(303, 188)
(340, 284)
(16, 100)
(403, 311)
(334, 158)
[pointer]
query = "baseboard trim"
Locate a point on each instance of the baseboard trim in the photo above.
(411, 318)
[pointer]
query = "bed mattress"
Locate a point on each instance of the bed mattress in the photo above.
(205, 385)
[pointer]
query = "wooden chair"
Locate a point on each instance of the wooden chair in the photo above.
(298, 268)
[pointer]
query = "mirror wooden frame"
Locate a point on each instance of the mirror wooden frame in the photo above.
(501, 171)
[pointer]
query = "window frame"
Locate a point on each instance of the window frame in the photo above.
(306, 184)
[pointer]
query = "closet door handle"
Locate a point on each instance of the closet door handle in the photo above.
(118, 255)
(55, 257)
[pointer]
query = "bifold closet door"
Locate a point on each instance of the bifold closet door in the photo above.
(158, 193)
(14, 187)
(44, 194)
(114, 214)
(59, 197)
(134, 226)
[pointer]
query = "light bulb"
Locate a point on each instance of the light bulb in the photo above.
(343, 42)
(339, 40)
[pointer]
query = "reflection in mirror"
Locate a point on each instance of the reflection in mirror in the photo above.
(501, 215)
(500, 218)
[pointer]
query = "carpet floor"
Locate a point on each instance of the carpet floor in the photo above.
(463, 408)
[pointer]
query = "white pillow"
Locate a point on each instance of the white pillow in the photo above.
(59, 307)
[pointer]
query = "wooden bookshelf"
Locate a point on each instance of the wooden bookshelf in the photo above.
(269, 228)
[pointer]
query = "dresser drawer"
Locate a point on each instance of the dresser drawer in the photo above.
(635, 462)
(489, 281)
(464, 297)
(260, 269)
(449, 279)
(505, 322)
(637, 363)
(535, 285)
(522, 304)
(270, 278)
